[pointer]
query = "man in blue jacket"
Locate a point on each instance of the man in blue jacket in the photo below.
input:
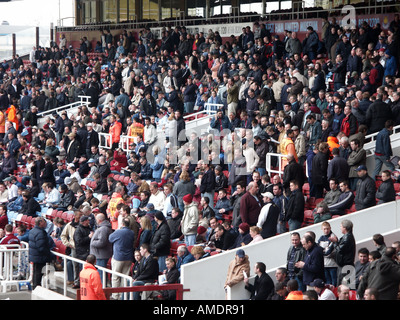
(122, 241)
(383, 148)
(39, 250)
(313, 264)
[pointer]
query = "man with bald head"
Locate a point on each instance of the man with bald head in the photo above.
(250, 204)
(292, 171)
(99, 244)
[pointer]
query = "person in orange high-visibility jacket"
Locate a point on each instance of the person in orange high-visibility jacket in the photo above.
(115, 131)
(333, 143)
(112, 211)
(12, 116)
(90, 282)
(288, 147)
(2, 124)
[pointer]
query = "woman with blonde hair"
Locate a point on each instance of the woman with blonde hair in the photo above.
(145, 232)
(51, 150)
(199, 253)
(255, 233)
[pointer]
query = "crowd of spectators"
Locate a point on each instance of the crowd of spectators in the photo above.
(312, 101)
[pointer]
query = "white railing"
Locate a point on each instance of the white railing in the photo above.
(370, 139)
(201, 119)
(125, 279)
(105, 140)
(84, 101)
(211, 108)
(13, 257)
(125, 141)
(268, 163)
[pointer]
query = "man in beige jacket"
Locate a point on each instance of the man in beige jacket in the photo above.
(237, 269)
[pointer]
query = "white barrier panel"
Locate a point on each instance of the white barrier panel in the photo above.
(210, 286)
(105, 140)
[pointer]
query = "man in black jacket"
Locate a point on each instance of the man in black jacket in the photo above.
(345, 247)
(263, 285)
(366, 189)
(160, 242)
(67, 198)
(30, 206)
(82, 236)
(377, 114)
(384, 275)
(339, 73)
(293, 171)
(147, 271)
(295, 207)
(386, 191)
(207, 185)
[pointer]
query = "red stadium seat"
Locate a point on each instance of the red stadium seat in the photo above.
(23, 220)
(28, 222)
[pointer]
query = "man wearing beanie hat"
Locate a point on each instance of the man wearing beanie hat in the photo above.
(190, 220)
(160, 242)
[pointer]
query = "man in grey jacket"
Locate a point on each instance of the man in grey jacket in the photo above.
(293, 45)
(100, 246)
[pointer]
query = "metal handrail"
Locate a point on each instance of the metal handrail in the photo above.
(127, 280)
(160, 287)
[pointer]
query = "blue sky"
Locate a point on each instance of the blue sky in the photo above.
(36, 12)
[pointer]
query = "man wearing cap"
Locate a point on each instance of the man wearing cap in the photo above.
(366, 189)
(356, 158)
(324, 293)
(160, 242)
(190, 220)
(237, 269)
(268, 218)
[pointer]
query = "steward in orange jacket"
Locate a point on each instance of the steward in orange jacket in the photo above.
(90, 282)
(115, 131)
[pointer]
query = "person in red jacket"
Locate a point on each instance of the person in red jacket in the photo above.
(3, 215)
(119, 160)
(250, 204)
(10, 238)
(91, 287)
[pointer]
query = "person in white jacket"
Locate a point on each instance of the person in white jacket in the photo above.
(157, 197)
(190, 220)
(251, 157)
